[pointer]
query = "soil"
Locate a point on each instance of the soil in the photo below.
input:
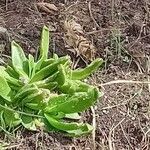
(120, 30)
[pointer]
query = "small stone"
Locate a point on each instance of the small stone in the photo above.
(133, 118)
(32, 50)
(105, 111)
(3, 30)
(135, 107)
(95, 107)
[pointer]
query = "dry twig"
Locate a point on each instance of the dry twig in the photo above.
(94, 127)
(91, 15)
(126, 137)
(110, 134)
(124, 81)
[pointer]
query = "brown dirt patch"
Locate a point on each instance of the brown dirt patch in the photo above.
(120, 30)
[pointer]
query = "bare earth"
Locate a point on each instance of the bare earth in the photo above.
(120, 30)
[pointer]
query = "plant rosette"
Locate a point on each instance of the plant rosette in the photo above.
(45, 93)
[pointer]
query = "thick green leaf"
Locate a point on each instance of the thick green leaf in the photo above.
(48, 126)
(35, 98)
(24, 92)
(75, 129)
(61, 125)
(11, 119)
(61, 115)
(72, 86)
(44, 43)
(69, 87)
(31, 66)
(4, 88)
(28, 122)
(19, 59)
(44, 47)
(18, 56)
(48, 82)
(2, 103)
(50, 85)
(14, 82)
(61, 78)
(11, 80)
(55, 56)
(47, 62)
(57, 115)
(11, 71)
(3, 73)
(80, 74)
(33, 106)
(71, 104)
(48, 70)
(74, 116)
(57, 99)
(36, 101)
(86, 129)
(51, 78)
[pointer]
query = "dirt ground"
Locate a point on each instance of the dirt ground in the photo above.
(120, 31)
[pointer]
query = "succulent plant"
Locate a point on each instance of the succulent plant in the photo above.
(45, 93)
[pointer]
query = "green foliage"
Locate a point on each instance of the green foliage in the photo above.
(45, 93)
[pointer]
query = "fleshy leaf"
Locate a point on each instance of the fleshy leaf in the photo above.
(44, 43)
(86, 129)
(48, 70)
(4, 88)
(11, 71)
(35, 101)
(28, 122)
(72, 86)
(38, 97)
(78, 102)
(19, 59)
(11, 80)
(44, 47)
(74, 116)
(80, 74)
(47, 62)
(61, 78)
(31, 66)
(24, 92)
(74, 129)
(49, 85)
(12, 119)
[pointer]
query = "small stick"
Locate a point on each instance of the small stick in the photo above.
(91, 15)
(124, 81)
(142, 27)
(126, 137)
(148, 70)
(71, 5)
(123, 103)
(110, 133)
(94, 127)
